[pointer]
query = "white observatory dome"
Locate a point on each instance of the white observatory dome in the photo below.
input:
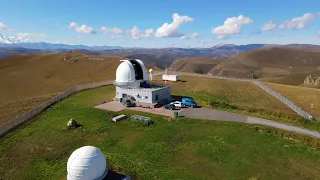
(125, 72)
(87, 163)
(131, 71)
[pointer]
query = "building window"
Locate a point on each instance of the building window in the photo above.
(146, 97)
(138, 96)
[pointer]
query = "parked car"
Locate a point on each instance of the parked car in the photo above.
(178, 104)
(170, 106)
(189, 102)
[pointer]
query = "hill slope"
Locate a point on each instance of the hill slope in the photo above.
(35, 75)
(8, 51)
(274, 62)
(195, 65)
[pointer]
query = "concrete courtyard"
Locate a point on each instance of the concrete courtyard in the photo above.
(115, 106)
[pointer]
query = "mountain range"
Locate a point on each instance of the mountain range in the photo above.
(159, 57)
(7, 41)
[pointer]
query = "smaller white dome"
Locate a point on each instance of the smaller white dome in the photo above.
(150, 70)
(87, 163)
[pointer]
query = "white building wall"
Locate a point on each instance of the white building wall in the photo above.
(141, 95)
(144, 95)
(163, 93)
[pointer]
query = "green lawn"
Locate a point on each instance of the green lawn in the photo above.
(178, 149)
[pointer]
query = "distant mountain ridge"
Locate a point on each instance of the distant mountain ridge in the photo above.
(160, 57)
(7, 41)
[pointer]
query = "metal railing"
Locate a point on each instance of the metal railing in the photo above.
(6, 127)
(286, 101)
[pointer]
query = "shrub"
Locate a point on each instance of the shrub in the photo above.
(221, 104)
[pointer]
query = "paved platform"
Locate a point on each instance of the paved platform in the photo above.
(111, 106)
(210, 114)
(115, 106)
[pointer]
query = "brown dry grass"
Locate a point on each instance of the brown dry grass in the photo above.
(301, 96)
(23, 77)
(14, 108)
(274, 62)
(201, 65)
(32, 75)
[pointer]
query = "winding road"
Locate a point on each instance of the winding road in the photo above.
(210, 114)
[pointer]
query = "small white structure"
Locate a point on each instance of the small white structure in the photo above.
(87, 163)
(119, 118)
(167, 77)
(151, 75)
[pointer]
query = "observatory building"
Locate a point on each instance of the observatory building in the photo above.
(132, 82)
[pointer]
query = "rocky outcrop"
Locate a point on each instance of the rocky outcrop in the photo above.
(312, 81)
(73, 124)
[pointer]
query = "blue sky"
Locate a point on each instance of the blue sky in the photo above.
(142, 23)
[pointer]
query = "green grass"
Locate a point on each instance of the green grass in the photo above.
(244, 97)
(178, 149)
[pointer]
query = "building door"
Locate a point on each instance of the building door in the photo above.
(157, 97)
(124, 95)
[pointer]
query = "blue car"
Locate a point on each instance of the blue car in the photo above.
(189, 102)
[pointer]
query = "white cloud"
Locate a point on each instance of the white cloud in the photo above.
(171, 30)
(149, 32)
(269, 26)
(25, 37)
(318, 13)
(191, 36)
(135, 33)
(231, 26)
(82, 29)
(298, 22)
(2, 26)
(114, 30)
(115, 36)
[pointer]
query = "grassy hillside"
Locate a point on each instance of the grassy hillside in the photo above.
(8, 51)
(284, 65)
(301, 96)
(274, 62)
(195, 65)
(295, 79)
(35, 76)
(179, 149)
